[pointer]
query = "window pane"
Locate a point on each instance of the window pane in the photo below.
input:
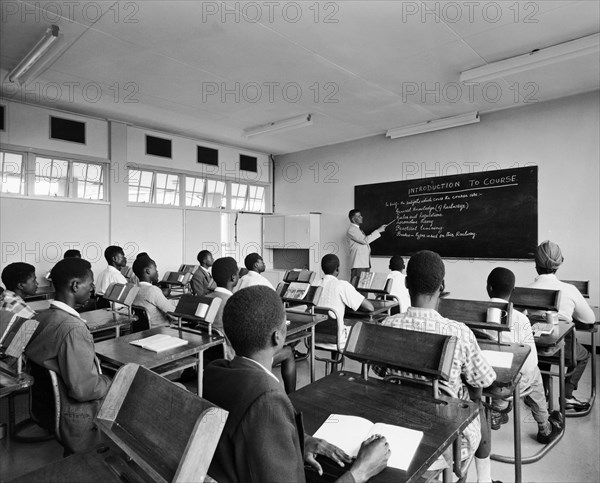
(256, 199)
(166, 189)
(215, 194)
(88, 180)
(194, 191)
(50, 177)
(238, 196)
(11, 169)
(140, 186)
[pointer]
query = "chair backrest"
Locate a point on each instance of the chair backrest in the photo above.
(199, 306)
(17, 337)
(582, 285)
(142, 322)
(169, 432)
(474, 313)
(188, 268)
(121, 293)
(127, 271)
(299, 292)
(179, 278)
(535, 298)
(420, 353)
(299, 276)
(373, 282)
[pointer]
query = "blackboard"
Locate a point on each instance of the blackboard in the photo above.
(491, 214)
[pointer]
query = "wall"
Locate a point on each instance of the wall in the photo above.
(561, 137)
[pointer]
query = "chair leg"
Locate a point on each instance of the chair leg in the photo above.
(15, 429)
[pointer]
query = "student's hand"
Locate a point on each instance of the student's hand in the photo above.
(372, 458)
(315, 446)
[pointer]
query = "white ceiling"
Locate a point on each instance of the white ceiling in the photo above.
(363, 67)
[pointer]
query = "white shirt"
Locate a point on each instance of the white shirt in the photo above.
(106, 277)
(572, 304)
(67, 308)
(252, 278)
(223, 290)
(339, 294)
(399, 289)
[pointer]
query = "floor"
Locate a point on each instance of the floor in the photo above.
(574, 459)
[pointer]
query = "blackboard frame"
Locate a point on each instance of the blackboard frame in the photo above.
(490, 215)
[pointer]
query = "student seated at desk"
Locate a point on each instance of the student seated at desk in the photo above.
(263, 439)
(20, 280)
(202, 281)
(339, 294)
(255, 265)
(470, 372)
(399, 289)
(500, 284)
(63, 343)
(115, 257)
(548, 257)
(150, 296)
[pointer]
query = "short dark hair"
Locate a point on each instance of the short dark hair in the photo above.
(223, 269)
(250, 317)
(142, 255)
(251, 260)
(397, 263)
(202, 255)
(140, 264)
(353, 212)
(425, 273)
(68, 269)
(72, 253)
(112, 251)
(330, 263)
(502, 282)
(16, 273)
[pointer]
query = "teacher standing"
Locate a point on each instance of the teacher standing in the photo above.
(358, 244)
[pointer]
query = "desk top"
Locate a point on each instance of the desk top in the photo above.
(300, 322)
(380, 307)
(119, 351)
(10, 382)
(102, 319)
(561, 330)
(507, 377)
(441, 420)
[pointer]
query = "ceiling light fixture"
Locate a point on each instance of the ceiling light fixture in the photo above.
(283, 125)
(38, 59)
(435, 125)
(534, 59)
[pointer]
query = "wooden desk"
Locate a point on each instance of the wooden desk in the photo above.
(441, 420)
(506, 383)
(119, 351)
(41, 293)
(380, 306)
(302, 326)
(105, 319)
(11, 382)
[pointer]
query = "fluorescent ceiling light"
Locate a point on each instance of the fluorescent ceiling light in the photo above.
(284, 125)
(534, 59)
(38, 58)
(435, 125)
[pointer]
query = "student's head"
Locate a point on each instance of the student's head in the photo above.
(254, 320)
(500, 283)
(142, 255)
(73, 281)
(396, 263)
(548, 257)
(20, 278)
(330, 264)
(225, 272)
(72, 253)
(425, 274)
(355, 216)
(205, 258)
(145, 269)
(115, 256)
(254, 262)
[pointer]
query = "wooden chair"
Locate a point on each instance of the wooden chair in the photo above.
(178, 281)
(121, 293)
(170, 433)
(582, 285)
(197, 310)
(535, 299)
(188, 268)
(473, 313)
(376, 283)
(299, 275)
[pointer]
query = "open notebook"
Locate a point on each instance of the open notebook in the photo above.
(159, 342)
(348, 433)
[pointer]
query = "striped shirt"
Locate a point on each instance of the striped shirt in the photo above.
(11, 302)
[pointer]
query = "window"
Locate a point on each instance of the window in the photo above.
(215, 194)
(87, 180)
(51, 177)
(256, 199)
(194, 191)
(153, 187)
(12, 180)
(238, 196)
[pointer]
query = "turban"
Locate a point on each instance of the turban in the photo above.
(548, 255)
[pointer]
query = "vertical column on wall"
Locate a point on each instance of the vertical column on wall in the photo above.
(118, 180)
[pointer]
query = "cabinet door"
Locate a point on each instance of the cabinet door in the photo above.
(274, 231)
(297, 231)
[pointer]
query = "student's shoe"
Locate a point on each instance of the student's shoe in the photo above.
(299, 356)
(556, 429)
(498, 419)
(575, 404)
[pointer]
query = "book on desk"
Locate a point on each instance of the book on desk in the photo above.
(159, 343)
